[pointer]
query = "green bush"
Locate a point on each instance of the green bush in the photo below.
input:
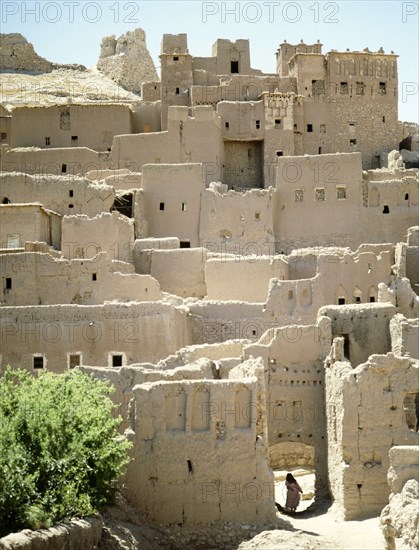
(60, 451)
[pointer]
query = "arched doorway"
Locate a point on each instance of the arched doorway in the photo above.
(298, 459)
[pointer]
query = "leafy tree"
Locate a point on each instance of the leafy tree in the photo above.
(60, 451)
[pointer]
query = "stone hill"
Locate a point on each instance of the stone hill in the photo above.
(17, 54)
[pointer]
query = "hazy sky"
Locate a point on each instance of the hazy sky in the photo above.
(70, 31)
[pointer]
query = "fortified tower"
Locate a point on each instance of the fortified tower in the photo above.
(176, 73)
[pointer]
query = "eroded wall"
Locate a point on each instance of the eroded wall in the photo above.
(365, 418)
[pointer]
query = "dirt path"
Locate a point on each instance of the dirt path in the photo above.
(319, 530)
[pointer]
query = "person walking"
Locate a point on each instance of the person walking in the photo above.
(293, 492)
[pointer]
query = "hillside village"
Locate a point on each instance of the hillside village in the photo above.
(238, 253)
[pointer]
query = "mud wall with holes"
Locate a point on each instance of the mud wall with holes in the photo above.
(369, 409)
(200, 450)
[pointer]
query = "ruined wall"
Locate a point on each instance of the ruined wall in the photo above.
(404, 336)
(412, 257)
(287, 455)
(188, 139)
(390, 200)
(212, 322)
(365, 418)
(354, 277)
(241, 121)
(251, 276)
(91, 126)
(365, 328)
(84, 237)
(294, 376)
(68, 335)
(172, 198)
(146, 116)
(238, 223)
(191, 454)
(29, 222)
(180, 272)
(72, 160)
(63, 194)
(342, 277)
(208, 90)
(40, 279)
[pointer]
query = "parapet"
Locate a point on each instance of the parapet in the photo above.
(173, 44)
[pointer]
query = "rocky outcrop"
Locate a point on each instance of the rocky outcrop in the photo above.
(127, 61)
(16, 53)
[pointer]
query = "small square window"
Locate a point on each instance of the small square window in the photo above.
(38, 362)
(344, 89)
(320, 194)
(47, 141)
(341, 192)
(71, 205)
(317, 87)
(117, 360)
(175, 58)
(162, 206)
(298, 195)
(309, 127)
(184, 244)
(280, 153)
(357, 299)
(3, 136)
(278, 123)
(372, 299)
(13, 240)
(74, 360)
(74, 138)
(352, 142)
(341, 301)
(360, 88)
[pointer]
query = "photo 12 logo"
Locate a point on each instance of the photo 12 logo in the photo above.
(69, 12)
(270, 12)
